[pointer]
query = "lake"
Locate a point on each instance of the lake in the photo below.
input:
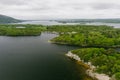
(34, 58)
(48, 22)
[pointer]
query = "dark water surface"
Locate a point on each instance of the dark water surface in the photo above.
(33, 58)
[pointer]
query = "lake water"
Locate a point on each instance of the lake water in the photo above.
(42, 22)
(47, 22)
(34, 58)
(116, 25)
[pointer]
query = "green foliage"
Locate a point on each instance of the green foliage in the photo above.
(108, 63)
(78, 28)
(21, 30)
(117, 76)
(87, 36)
(95, 39)
(106, 60)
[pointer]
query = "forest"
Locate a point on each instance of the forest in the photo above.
(21, 30)
(98, 45)
(87, 36)
(106, 60)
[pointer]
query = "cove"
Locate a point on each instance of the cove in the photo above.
(34, 58)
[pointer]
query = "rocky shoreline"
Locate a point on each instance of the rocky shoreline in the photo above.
(90, 71)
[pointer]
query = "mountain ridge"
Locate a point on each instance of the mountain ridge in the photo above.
(7, 19)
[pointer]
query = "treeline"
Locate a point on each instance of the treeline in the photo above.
(87, 36)
(78, 28)
(106, 60)
(21, 30)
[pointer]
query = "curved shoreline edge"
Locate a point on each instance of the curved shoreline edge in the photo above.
(90, 71)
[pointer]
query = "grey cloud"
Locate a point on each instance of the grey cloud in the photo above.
(59, 8)
(13, 2)
(102, 6)
(76, 5)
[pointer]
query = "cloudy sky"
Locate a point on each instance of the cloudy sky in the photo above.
(60, 9)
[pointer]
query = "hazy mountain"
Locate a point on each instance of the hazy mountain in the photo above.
(7, 19)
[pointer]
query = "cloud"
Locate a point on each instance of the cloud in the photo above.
(43, 9)
(101, 6)
(13, 2)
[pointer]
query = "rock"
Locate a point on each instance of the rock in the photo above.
(90, 71)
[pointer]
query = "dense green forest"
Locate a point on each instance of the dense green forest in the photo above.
(87, 36)
(21, 30)
(100, 45)
(106, 60)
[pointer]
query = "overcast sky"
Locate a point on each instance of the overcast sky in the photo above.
(65, 9)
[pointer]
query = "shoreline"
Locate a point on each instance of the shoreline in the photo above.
(90, 68)
(63, 43)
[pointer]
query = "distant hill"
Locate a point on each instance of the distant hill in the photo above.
(6, 19)
(89, 20)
